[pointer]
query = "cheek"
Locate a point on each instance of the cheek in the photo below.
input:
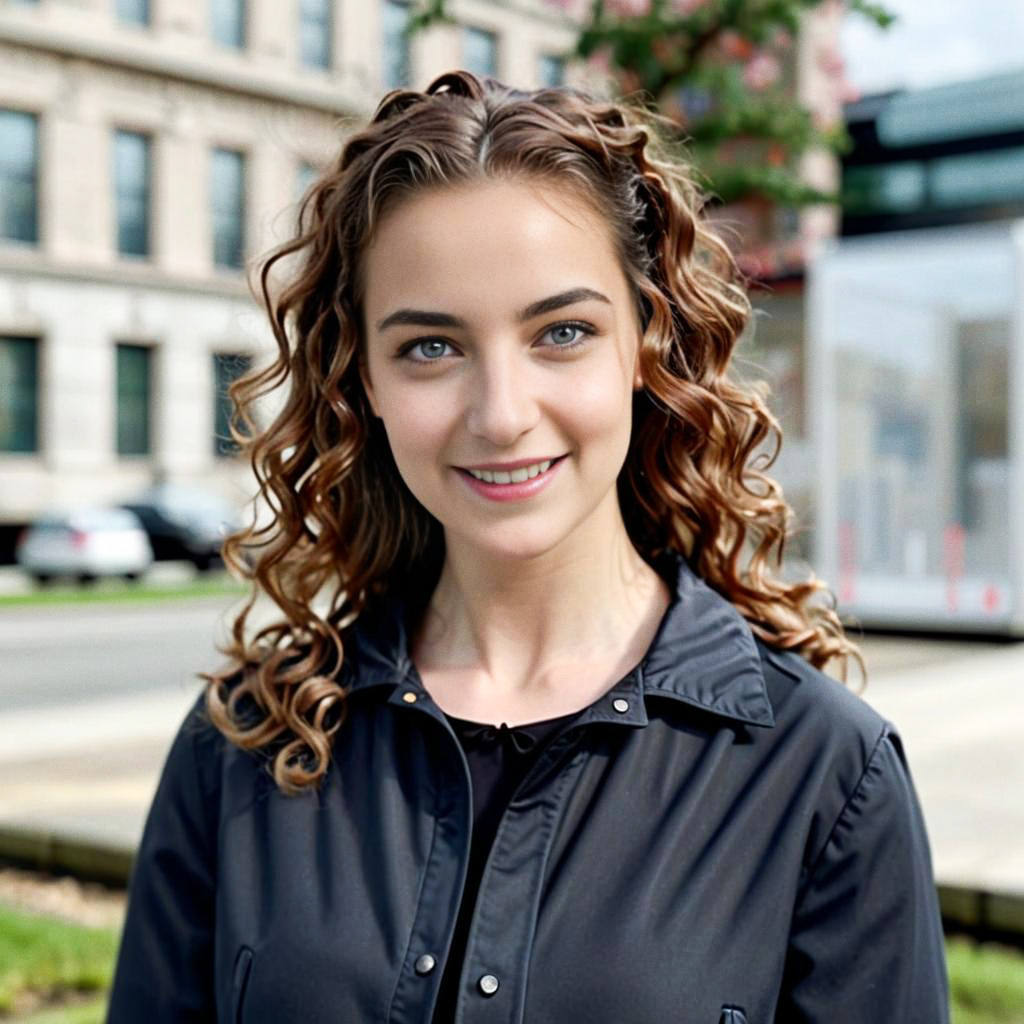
(416, 427)
(602, 407)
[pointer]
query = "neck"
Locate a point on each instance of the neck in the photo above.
(529, 635)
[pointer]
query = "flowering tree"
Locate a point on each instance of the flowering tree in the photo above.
(723, 71)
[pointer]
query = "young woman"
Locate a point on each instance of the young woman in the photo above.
(538, 737)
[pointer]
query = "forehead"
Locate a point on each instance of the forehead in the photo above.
(493, 245)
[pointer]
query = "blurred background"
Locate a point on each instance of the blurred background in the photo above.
(865, 162)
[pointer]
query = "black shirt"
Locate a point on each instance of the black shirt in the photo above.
(499, 758)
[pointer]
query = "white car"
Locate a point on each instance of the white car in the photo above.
(86, 544)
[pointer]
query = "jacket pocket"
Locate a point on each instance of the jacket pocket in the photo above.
(240, 982)
(732, 1015)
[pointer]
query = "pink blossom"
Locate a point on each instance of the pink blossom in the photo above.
(761, 71)
(630, 8)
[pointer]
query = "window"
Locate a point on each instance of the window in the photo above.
(19, 176)
(227, 368)
(133, 399)
(133, 12)
(228, 208)
(304, 177)
(19, 395)
(479, 51)
(550, 70)
(227, 23)
(131, 192)
(395, 20)
(315, 33)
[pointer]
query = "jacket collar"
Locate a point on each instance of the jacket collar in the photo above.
(703, 654)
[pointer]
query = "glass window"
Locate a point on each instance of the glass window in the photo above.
(19, 176)
(227, 23)
(884, 188)
(479, 51)
(305, 174)
(133, 399)
(971, 179)
(133, 12)
(131, 192)
(550, 70)
(395, 19)
(227, 368)
(19, 395)
(914, 335)
(315, 33)
(228, 208)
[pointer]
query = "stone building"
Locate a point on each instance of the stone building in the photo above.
(150, 152)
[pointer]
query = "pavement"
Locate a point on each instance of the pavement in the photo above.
(78, 779)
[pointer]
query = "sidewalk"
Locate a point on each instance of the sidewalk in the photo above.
(960, 717)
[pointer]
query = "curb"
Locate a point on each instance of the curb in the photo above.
(53, 853)
(984, 915)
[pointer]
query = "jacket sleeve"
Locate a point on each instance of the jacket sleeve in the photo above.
(164, 969)
(866, 944)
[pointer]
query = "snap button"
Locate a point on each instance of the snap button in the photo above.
(409, 697)
(488, 984)
(621, 705)
(425, 964)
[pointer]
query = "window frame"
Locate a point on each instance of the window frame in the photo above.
(36, 215)
(242, 212)
(116, 191)
(146, 449)
(243, 27)
(328, 38)
(223, 445)
(469, 30)
(35, 425)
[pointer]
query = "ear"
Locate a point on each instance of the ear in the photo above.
(638, 376)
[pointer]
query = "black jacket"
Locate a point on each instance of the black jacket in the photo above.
(727, 835)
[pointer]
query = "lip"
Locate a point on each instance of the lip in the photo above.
(505, 467)
(512, 492)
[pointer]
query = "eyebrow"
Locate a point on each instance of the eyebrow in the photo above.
(430, 318)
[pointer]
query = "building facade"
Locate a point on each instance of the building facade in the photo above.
(150, 152)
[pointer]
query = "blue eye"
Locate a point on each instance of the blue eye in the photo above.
(568, 335)
(430, 349)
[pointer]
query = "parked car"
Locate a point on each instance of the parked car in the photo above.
(86, 543)
(185, 523)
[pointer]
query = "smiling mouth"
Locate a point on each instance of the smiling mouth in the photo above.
(513, 476)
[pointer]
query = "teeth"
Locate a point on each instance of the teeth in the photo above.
(515, 476)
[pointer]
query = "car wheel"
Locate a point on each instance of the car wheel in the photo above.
(204, 563)
(42, 579)
(132, 577)
(86, 578)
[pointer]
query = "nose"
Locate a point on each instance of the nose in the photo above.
(502, 405)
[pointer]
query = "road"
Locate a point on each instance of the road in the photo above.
(80, 653)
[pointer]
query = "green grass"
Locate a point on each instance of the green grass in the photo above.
(987, 983)
(55, 960)
(50, 958)
(120, 591)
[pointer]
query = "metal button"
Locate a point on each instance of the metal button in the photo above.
(488, 984)
(425, 964)
(409, 697)
(621, 705)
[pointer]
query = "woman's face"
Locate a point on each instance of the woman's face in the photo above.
(501, 336)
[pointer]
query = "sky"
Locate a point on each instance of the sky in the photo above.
(934, 42)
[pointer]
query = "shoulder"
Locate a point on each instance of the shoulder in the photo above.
(844, 757)
(822, 711)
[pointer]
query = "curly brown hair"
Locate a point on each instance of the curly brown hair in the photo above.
(346, 532)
